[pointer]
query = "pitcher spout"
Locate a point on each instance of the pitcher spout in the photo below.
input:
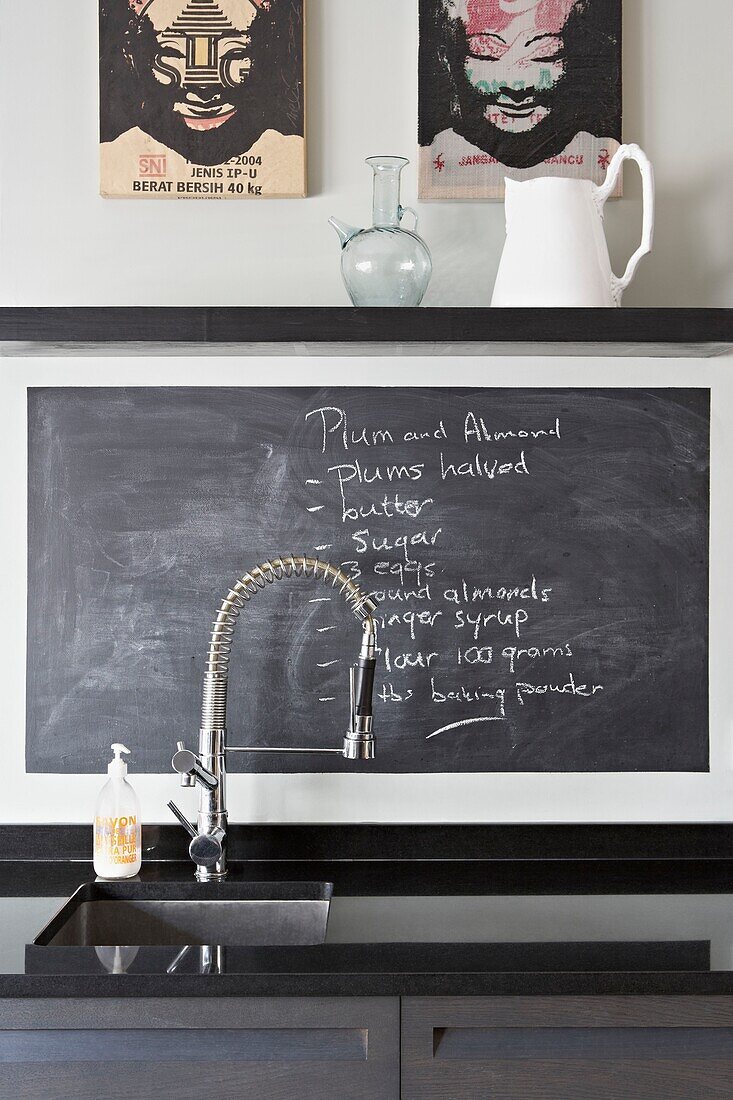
(345, 232)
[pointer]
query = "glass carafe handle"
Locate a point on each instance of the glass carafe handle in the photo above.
(408, 210)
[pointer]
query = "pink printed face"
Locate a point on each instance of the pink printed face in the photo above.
(516, 56)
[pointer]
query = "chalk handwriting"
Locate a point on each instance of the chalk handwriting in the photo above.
(498, 655)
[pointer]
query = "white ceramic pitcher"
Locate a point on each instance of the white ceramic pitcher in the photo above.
(556, 252)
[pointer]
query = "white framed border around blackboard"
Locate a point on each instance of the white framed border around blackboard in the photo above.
(362, 797)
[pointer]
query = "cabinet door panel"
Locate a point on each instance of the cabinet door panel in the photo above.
(203, 1046)
(281, 1049)
(567, 1048)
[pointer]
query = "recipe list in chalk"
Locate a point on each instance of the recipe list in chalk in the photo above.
(540, 558)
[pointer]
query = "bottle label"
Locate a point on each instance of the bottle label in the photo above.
(116, 839)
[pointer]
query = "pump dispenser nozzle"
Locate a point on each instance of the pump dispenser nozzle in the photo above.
(118, 766)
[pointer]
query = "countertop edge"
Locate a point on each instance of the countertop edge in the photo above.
(369, 985)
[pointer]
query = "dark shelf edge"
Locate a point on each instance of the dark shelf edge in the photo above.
(210, 325)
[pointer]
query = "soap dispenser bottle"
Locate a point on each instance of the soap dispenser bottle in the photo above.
(117, 831)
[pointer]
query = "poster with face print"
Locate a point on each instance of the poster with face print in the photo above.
(202, 99)
(519, 89)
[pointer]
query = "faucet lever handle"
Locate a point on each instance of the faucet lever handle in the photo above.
(183, 820)
(205, 849)
(352, 698)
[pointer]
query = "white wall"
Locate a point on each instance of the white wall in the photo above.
(359, 795)
(60, 244)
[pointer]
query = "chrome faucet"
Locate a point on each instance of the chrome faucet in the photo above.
(207, 769)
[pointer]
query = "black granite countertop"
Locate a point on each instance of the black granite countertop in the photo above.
(417, 927)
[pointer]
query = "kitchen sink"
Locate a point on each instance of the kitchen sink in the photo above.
(225, 914)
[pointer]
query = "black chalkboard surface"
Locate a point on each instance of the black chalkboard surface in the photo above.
(541, 558)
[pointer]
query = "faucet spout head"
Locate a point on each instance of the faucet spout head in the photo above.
(359, 740)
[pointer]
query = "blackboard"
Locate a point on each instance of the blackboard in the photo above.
(541, 557)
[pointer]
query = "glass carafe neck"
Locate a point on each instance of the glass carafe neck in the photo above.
(387, 172)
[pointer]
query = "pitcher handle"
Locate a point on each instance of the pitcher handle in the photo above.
(408, 210)
(623, 153)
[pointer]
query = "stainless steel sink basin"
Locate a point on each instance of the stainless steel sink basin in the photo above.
(227, 914)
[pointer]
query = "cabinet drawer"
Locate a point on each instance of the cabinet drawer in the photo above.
(624, 1048)
(276, 1048)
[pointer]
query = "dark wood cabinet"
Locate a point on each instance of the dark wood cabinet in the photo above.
(559, 1048)
(278, 1048)
(445, 1048)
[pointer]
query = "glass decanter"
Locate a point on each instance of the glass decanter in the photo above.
(385, 265)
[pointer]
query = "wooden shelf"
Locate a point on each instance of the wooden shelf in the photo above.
(277, 329)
